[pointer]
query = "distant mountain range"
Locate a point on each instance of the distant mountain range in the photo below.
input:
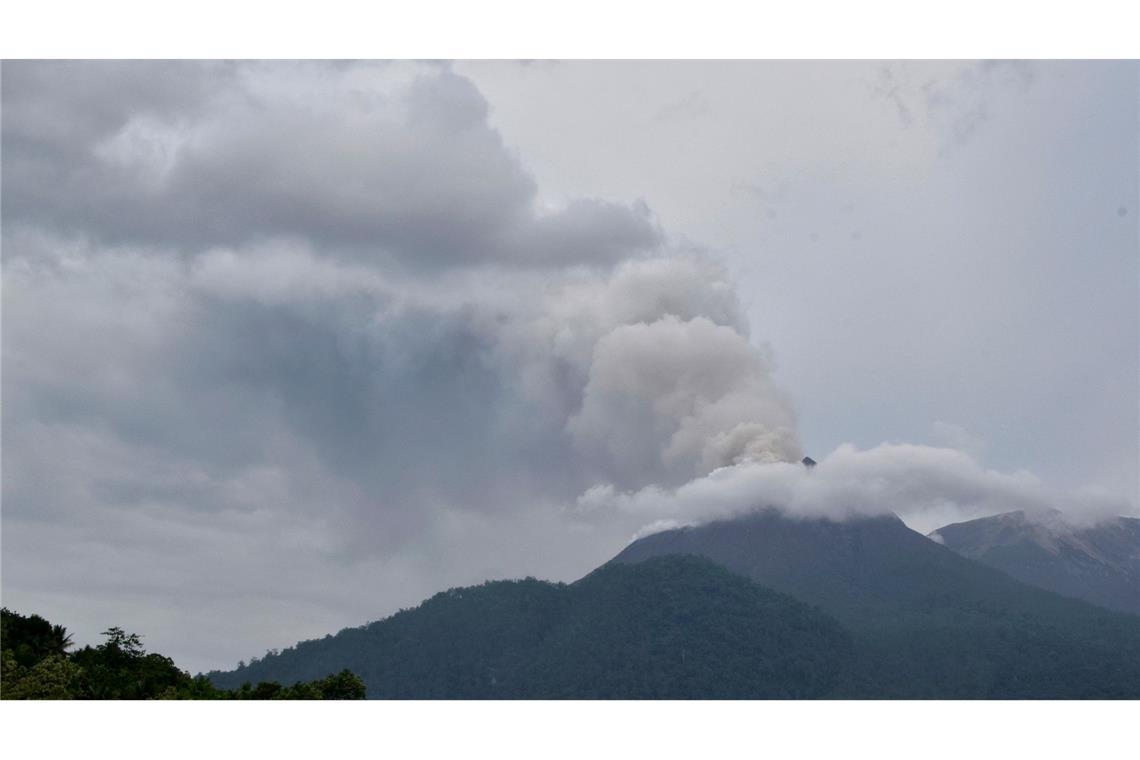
(1100, 564)
(769, 606)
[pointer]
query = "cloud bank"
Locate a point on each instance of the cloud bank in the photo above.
(926, 486)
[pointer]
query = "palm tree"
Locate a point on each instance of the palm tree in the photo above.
(60, 640)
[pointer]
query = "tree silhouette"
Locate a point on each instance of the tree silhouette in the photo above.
(60, 639)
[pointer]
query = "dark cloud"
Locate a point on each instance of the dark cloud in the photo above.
(315, 315)
(387, 163)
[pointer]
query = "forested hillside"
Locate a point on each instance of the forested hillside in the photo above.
(675, 627)
(917, 622)
(928, 623)
(758, 607)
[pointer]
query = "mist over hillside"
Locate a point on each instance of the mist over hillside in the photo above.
(1099, 563)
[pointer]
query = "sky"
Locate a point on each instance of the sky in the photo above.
(289, 346)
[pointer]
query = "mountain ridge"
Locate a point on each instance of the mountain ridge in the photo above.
(672, 628)
(1098, 563)
(929, 622)
(712, 611)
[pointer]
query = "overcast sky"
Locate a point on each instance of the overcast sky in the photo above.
(289, 346)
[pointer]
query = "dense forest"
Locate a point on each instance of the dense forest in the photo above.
(37, 664)
(760, 607)
(673, 628)
(895, 616)
(928, 623)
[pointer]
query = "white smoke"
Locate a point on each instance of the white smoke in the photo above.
(652, 373)
(925, 486)
(673, 399)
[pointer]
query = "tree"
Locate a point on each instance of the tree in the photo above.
(60, 640)
(31, 638)
(119, 642)
(37, 665)
(54, 677)
(343, 685)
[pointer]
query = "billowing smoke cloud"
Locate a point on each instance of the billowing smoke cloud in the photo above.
(265, 317)
(653, 375)
(671, 398)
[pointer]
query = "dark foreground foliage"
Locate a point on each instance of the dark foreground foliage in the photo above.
(37, 665)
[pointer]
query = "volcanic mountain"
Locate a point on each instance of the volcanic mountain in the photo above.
(771, 606)
(928, 622)
(1098, 563)
(668, 628)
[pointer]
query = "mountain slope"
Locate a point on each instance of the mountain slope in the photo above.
(673, 627)
(898, 616)
(1100, 564)
(928, 623)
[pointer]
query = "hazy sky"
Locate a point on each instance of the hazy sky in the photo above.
(289, 346)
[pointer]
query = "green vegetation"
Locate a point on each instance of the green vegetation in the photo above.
(677, 615)
(672, 628)
(927, 623)
(682, 627)
(37, 665)
(897, 618)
